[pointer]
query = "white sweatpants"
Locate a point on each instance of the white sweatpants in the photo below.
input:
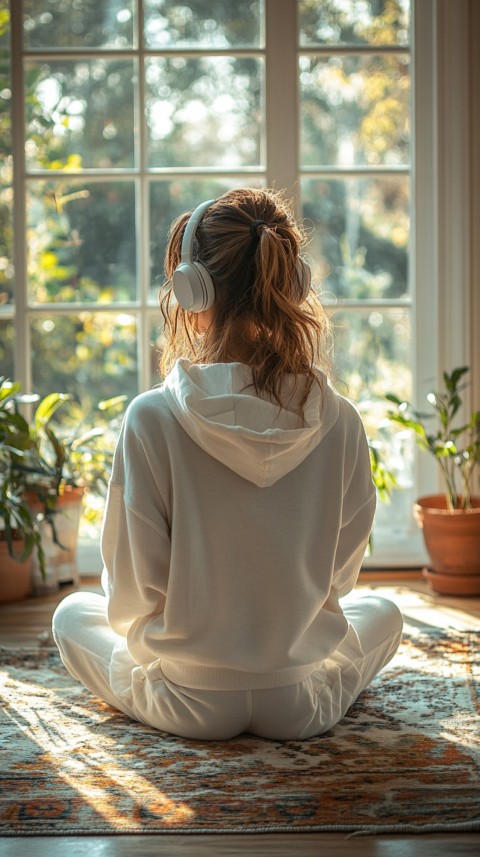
(97, 657)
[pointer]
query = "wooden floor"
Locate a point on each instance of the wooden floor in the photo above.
(28, 624)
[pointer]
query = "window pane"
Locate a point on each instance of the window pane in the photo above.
(373, 357)
(81, 241)
(92, 356)
(5, 82)
(355, 110)
(85, 24)
(373, 352)
(6, 164)
(156, 345)
(357, 22)
(6, 235)
(169, 199)
(79, 113)
(204, 24)
(359, 243)
(7, 334)
(204, 111)
(5, 24)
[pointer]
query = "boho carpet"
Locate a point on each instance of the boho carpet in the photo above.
(406, 757)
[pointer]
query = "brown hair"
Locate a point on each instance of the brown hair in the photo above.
(257, 317)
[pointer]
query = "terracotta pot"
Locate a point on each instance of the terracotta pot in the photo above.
(452, 540)
(15, 577)
(452, 584)
(61, 562)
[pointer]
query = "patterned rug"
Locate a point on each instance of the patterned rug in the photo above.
(405, 758)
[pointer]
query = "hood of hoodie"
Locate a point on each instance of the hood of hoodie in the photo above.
(216, 404)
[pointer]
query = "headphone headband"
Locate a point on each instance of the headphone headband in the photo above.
(191, 228)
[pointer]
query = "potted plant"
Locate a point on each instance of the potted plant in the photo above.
(64, 461)
(19, 528)
(450, 521)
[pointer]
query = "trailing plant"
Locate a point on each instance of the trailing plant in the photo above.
(456, 448)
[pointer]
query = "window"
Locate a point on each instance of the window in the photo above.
(117, 115)
(133, 112)
(355, 184)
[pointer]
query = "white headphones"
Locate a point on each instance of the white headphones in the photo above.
(191, 282)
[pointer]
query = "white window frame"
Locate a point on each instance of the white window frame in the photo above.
(446, 219)
(445, 250)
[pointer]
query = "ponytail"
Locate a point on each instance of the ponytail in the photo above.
(249, 242)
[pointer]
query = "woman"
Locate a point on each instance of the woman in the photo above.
(240, 505)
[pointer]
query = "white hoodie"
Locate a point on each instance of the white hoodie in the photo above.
(232, 527)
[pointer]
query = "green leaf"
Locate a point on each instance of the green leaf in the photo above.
(19, 423)
(77, 442)
(455, 403)
(444, 450)
(391, 397)
(408, 423)
(110, 403)
(13, 450)
(47, 408)
(457, 374)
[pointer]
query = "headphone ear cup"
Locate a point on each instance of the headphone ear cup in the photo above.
(304, 277)
(193, 287)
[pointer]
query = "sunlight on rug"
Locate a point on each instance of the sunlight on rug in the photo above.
(405, 758)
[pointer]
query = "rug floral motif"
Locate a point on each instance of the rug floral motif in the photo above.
(405, 758)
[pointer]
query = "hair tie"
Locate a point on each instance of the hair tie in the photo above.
(254, 227)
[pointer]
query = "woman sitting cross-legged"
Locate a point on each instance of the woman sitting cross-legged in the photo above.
(240, 505)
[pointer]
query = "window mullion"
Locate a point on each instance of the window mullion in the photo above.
(22, 338)
(475, 202)
(143, 217)
(424, 249)
(453, 183)
(281, 96)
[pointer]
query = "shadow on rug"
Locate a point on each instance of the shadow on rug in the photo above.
(404, 759)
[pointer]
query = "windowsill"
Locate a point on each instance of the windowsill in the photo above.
(391, 551)
(89, 559)
(404, 549)
(390, 575)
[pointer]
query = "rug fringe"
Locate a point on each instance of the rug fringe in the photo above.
(369, 830)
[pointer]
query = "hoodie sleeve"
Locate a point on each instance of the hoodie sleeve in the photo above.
(135, 535)
(359, 501)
